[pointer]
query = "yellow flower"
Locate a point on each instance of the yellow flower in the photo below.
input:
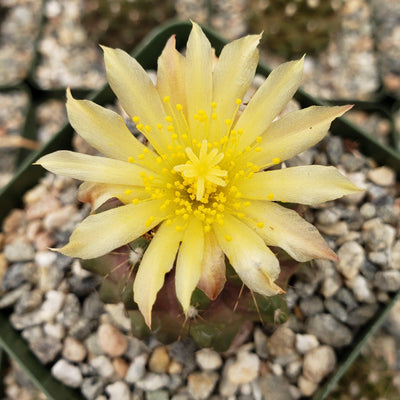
(203, 182)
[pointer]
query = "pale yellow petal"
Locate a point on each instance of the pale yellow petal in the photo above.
(212, 278)
(171, 76)
(92, 168)
(98, 193)
(252, 260)
(198, 77)
(136, 92)
(101, 233)
(310, 184)
(284, 228)
(157, 261)
(103, 129)
(188, 265)
(232, 76)
(294, 133)
(269, 101)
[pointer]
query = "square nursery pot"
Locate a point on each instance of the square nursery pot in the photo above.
(27, 176)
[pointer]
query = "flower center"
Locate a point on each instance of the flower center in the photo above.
(203, 172)
(195, 178)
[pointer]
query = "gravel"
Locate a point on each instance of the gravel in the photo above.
(87, 344)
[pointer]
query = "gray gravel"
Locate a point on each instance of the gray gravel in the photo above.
(54, 303)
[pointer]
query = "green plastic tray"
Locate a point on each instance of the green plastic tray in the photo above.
(27, 176)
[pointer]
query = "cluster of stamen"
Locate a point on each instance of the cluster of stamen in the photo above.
(196, 178)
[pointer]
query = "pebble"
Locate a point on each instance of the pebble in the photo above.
(394, 260)
(28, 301)
(377, 235)
(73, 350)
(318, 363)
(67, 373)
(118, 391)
(226, 387)
(261, 343)
(274, 387)
(244, 369)
(92, 387)
(389, 281)
(361, 289)
(311, 305)
(11, 297)
(329, 331)
(362, 314)
(346, 298)
(46, 348)
(336, 309)
(306, 386)
(306, 342)
(159, 360)
(331, 285)
(208, 360)
(119, 316)
(202, 384)
(281, 342)
(19, 250)
(103, 366)
(153, 381)
(51, 307)
(158, 395)
(17, 274)
(136, 369)
(111, 340)
(351, 257)
(54, 329)
(368, 210)
(293, 369)
(383, 176)
(120, 366)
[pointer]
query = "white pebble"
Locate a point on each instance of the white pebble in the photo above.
(67, 373)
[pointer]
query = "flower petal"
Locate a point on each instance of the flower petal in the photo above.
(171, 75)
(136, 92)
(92, 168)
(269, 101)
(157, 261)
(294, 133)
(103, 129)
(285, 228)
(198, 76)
(252, 260)
(188, 265)
(98, 193)
(101, 233)
(309, 184)
(233, 75)
(212, 278)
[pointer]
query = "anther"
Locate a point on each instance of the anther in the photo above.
(276, 160)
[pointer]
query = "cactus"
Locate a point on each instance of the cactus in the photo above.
(215, 324)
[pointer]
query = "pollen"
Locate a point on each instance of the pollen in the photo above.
(196, 175)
